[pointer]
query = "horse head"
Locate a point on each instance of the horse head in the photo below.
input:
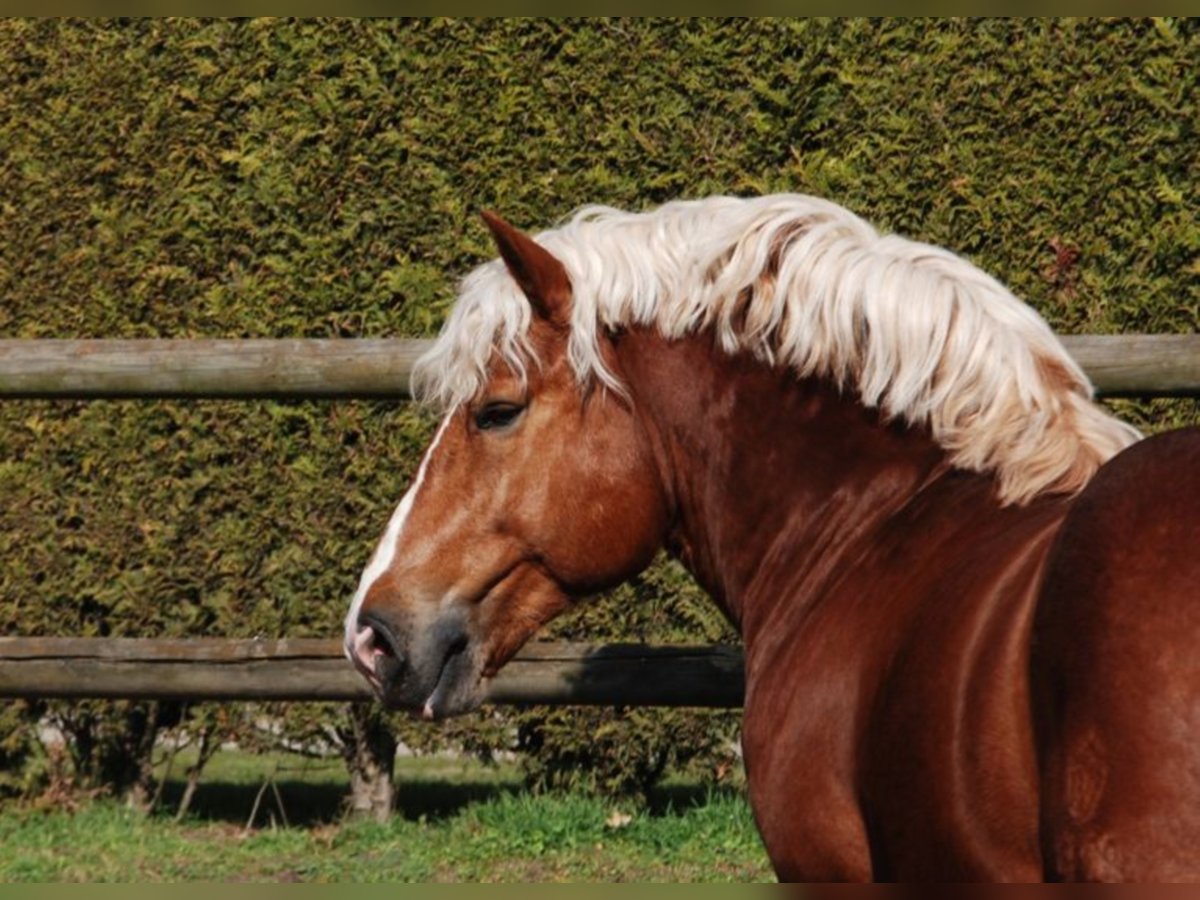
(537, 491)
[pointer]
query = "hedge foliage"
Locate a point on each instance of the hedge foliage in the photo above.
(187, 178)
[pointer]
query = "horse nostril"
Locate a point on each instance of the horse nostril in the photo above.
(385, 647)
(380, 645)
(385, 638)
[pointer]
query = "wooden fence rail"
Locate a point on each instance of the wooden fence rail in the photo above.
(294, 369)
(1119, 366)
(311, 669)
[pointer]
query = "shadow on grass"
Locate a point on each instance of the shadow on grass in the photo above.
(679, 799)
(307, 804)
(304, 803)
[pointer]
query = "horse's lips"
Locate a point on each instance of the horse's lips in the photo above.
(427, 711)
(447, 678)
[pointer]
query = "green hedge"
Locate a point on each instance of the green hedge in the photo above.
(279, 178)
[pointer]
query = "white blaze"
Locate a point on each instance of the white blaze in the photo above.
(381, 561)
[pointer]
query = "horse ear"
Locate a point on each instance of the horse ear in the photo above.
(538, 272)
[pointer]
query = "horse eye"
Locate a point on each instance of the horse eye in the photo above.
(497, 415)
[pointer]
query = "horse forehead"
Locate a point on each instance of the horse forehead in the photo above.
(501, 379)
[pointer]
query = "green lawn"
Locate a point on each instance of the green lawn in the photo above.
(458, 822)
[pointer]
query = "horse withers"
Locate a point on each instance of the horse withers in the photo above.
(969, 597)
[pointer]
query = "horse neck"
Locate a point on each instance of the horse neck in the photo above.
(764, 470)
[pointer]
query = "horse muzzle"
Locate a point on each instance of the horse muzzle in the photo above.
(431, 671)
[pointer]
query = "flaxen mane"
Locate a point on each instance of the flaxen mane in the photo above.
(913, 329)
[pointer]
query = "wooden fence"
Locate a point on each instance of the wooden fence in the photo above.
(308, 669)
(1119, 365)
(214, 669)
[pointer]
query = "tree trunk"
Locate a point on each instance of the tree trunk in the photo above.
(370, 754)
(138, 775)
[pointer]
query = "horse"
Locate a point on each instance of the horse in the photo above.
(969, 596)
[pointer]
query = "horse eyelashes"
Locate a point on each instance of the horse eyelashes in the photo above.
(497, 415)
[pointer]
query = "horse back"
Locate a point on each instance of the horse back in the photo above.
(1116, 672)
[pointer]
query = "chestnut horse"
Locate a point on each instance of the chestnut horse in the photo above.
(971, 616)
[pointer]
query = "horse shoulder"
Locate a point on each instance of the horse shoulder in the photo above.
(903, 695)
(949, 743)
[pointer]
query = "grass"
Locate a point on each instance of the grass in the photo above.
(458, 821)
